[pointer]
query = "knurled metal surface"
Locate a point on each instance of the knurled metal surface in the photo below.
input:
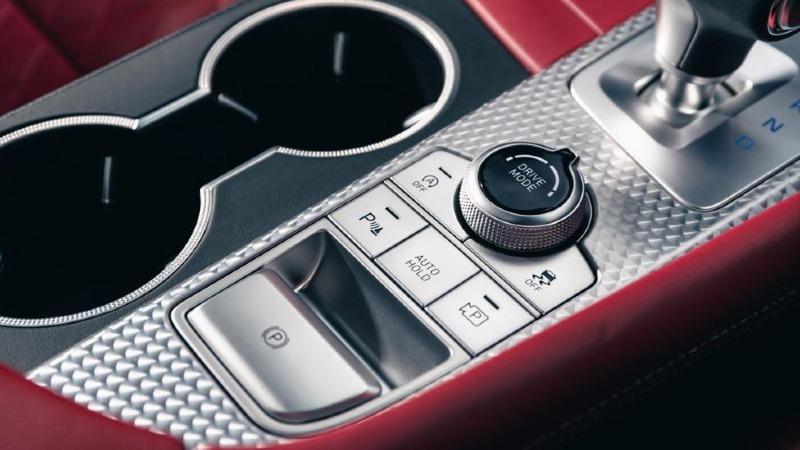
(520, 238)
(139, 370)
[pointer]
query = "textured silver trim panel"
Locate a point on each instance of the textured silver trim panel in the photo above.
(247, 402)
(139, 370)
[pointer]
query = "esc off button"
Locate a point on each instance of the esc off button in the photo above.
(546, 281)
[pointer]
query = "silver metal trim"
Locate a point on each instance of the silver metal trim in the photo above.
(683, 160)
(70, 121)
(425, 29)
(179, 321)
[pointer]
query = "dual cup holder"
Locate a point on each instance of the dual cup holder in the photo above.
(98, 210)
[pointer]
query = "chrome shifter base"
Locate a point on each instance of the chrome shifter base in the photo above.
(725, 150)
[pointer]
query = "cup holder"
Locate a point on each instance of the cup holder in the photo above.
(98, 210)
(95, 214)
(326, 77)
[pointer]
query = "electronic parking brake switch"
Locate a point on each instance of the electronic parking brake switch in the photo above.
(286, 358)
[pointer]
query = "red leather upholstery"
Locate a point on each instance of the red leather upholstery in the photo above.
(33, 418)
(602, 16)
(29, 63)
(91, 33)
(540, 32)
(45, 44)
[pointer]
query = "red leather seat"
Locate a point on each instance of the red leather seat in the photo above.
(48, 43)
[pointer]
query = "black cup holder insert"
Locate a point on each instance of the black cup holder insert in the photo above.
(90, 213)
(332, 78)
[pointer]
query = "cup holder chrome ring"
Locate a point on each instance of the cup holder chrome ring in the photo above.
(203, 219)
(434, 38)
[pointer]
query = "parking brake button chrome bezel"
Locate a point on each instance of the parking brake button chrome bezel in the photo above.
(283, 355)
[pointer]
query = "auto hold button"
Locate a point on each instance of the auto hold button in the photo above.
(427, 265)
(280, 352)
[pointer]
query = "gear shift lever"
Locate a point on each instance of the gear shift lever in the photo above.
(700, 43)
(700, 103)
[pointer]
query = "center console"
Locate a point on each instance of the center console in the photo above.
(404, 264)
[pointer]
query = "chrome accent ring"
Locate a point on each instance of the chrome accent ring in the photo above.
(519, 232)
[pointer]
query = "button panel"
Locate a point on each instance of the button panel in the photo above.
(427, 265)
(288, 361)
(433, 182)
(479, 313)
(546, 281)
(443, 277)
(378, 220)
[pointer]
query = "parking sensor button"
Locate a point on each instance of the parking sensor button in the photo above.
(378, 220)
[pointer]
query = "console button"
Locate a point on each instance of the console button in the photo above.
(378, 220)
(479, 313)
(280, 352)
(427, 265)
(433, 183)
(546, 281)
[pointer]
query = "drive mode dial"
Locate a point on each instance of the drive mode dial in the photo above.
(525, 198)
